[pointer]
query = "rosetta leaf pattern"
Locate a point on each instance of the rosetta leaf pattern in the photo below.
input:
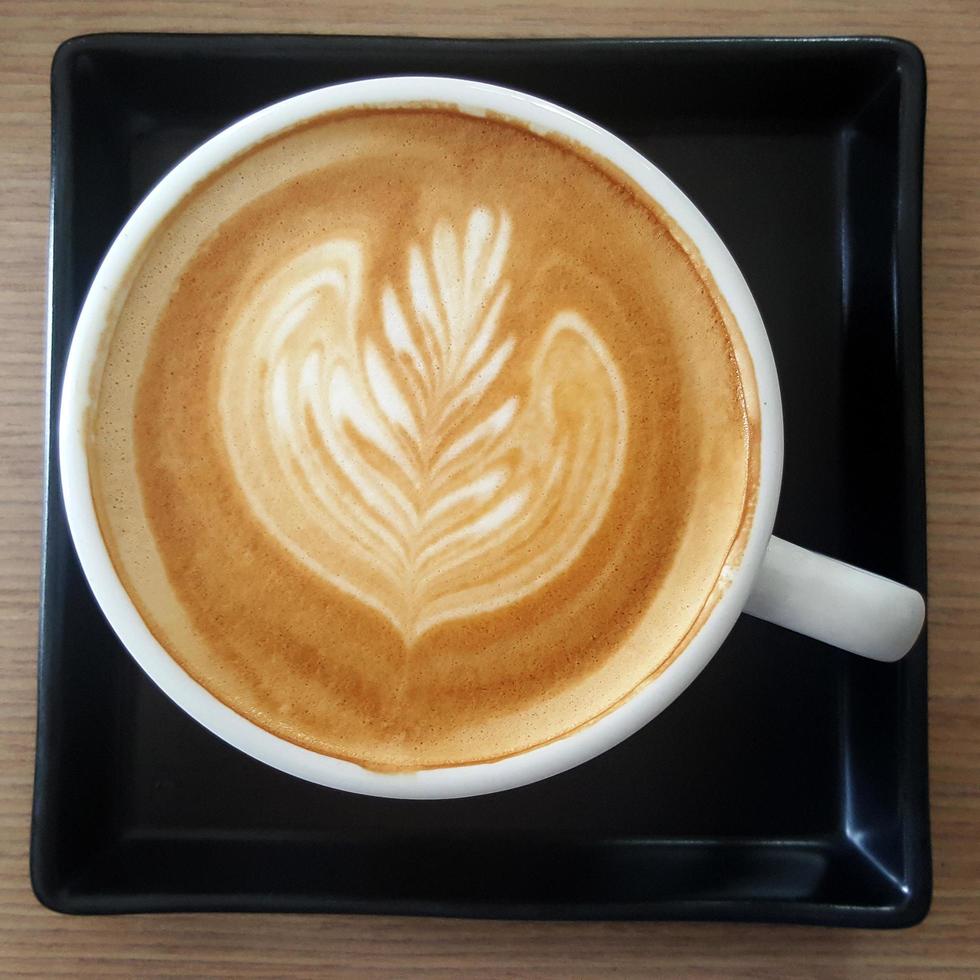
(390, 444)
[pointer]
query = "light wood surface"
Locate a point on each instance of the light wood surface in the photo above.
(36, 941)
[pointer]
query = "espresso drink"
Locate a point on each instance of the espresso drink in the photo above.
(422, 439)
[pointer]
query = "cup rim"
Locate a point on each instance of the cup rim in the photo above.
(463, 780)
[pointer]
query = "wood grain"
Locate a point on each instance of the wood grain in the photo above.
(34, 941)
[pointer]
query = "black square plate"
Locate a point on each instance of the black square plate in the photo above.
(789, 782)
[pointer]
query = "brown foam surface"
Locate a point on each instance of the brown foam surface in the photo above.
(421, 439)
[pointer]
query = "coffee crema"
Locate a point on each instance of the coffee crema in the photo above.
(422, 439)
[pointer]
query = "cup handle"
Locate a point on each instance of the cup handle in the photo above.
(837, 603)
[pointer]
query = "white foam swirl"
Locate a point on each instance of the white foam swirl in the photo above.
(377, 439)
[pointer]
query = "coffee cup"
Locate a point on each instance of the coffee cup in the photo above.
(493, 427)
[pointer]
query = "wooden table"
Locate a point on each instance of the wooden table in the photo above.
(36, 941)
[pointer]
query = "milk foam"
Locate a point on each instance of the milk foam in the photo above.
(376, 440)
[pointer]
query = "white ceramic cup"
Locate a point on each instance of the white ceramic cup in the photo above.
(777, 581)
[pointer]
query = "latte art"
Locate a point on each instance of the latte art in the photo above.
(374, 439)
(421, 439)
